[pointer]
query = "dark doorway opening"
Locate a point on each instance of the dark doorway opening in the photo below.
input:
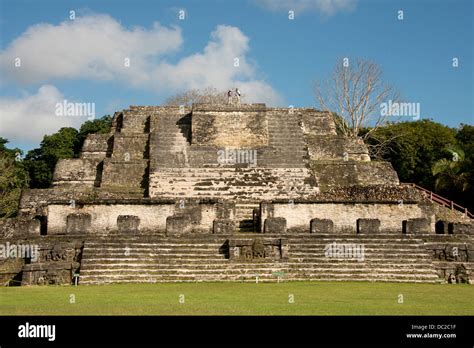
(439, 227)
(43, 224)
(450, 228)
(404, 226)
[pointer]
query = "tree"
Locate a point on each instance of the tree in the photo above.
(449, 173)
(97, 126)
(13, 178)
(41, 162)
(208, 95)
(352, 94)
(465, 140)
(414, 147)
(66, 143)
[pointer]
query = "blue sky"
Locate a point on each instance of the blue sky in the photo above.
(81, 60)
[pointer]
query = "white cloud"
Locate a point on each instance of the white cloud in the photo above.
(94, 47)
(215, 67)
(325, 7)
(29, 118)
(89, 47)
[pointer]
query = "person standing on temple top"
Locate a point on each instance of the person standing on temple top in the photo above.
(229, 97)
(237, 94)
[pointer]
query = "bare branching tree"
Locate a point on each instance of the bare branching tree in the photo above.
(353, 94)
(208, 95)
(379, 147)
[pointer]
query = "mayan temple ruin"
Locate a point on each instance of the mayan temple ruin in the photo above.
(232, 193)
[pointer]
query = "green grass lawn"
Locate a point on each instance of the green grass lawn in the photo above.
(310, 298)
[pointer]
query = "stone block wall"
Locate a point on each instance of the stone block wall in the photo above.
(344, 215)
(135, 122)
(76, 171)
(104, 217)
(336, 148)
(224, 126)
(97, 146)
(316, 122)
(78, 223)
(128, 223)
(19, 226)
(41, 261)
(251, 250)
(417, 225)
(57, 263)
(274, 225)
(196, 217)
(332, 174)
(368, 226)
(35, 202)
(130, 147)
(321, 226)
(128, 176)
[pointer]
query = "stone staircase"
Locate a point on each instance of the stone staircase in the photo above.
(169, 145)
(287, 148)
(244, 216)
(241, 183)
(386, 258)
(449, 252)
(148, 259)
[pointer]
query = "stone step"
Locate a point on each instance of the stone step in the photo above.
(251, 278)
(299, 239)
(215, 256)
(262, 272)
(250, 172)
(153, 245)
(221, 264)
(262, 269)
(294, 253)
(121, 254)
(367, 247)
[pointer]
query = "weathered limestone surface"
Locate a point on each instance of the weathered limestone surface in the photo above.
(368, 225)
(53, 261)
(80, 171)
(275, 225)
(333, 174)
(97, 146)
(417, 225)
(238, 183)
(130, 147)
(321, 226)
(224, 226)
(128, 223)
(78, 223)
(104, 216)
(126, 176)
(345, 216)
(19, 227)
(336, 148)
(152, 200)
(228, 127)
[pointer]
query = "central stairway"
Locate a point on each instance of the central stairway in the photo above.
(241, 183)
(149, 259)
(244, 215)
